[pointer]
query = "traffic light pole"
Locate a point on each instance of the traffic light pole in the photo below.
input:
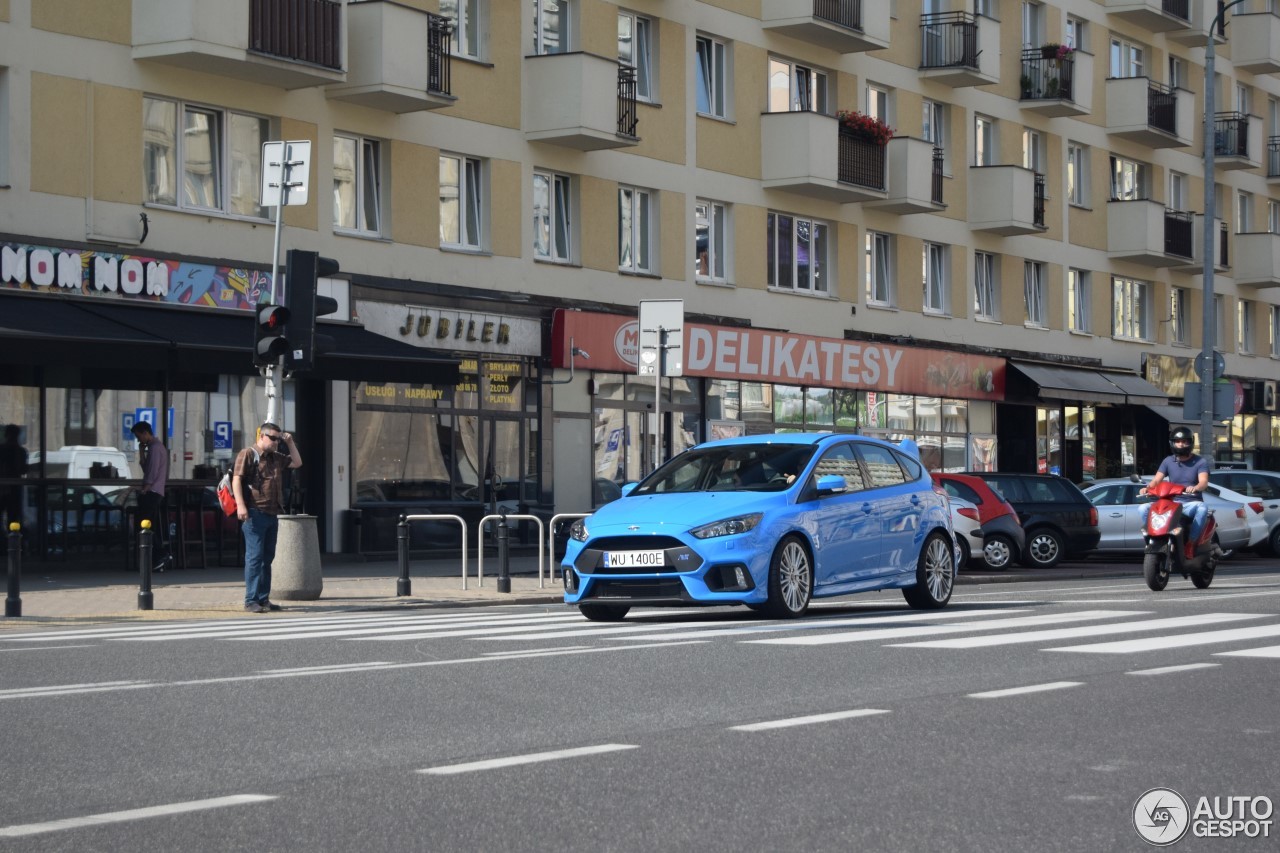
(286, 166)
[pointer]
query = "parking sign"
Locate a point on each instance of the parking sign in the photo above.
(222, 435)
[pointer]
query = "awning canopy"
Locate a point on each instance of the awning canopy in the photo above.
(1174, 415)
(1059, 382)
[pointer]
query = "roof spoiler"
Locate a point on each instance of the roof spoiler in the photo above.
(909, 445)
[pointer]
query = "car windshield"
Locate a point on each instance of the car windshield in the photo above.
(739, 467)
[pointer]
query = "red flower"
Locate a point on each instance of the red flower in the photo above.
(865, 127)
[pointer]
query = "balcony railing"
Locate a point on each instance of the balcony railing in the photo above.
(1178, 225)
(1223, 232)
(627, 118)
(1037, 209)
(298, 30)
(1046, 78)
(1178, 8)
(937, 176)
(860, 161)
(949, 39)
(1273, 157)
(1230, 135)
(846, 13)
(1162, 107)
(439, 54)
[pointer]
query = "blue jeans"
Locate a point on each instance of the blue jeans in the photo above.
(1193, 512)
(259, 550)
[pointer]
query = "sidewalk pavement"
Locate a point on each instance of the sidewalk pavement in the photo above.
(69, 595)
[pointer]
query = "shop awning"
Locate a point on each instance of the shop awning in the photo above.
(1137, 391)
(1174, 415)
(1058, 382)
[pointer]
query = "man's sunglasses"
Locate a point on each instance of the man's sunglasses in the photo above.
(275, 437)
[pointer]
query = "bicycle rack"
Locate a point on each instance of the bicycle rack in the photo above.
(480, 543)
(551, 544)
(462, 524)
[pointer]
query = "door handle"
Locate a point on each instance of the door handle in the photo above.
(867, 508)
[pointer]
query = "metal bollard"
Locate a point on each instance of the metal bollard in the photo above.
(13, 603)
(402, 554)
(504, 555)
(145, 599)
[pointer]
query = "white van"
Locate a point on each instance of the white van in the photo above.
(83, 462)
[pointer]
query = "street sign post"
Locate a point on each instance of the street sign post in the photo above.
(661, 353)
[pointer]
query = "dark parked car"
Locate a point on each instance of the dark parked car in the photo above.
(1003, 538)
(1059, 520)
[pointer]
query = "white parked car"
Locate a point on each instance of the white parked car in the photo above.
(1261, 486)
(964, 524)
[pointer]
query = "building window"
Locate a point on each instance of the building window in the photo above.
(986, 297)
(1127, 59)
(712, 72)
(1180, 314)
(878, 102)
(1244, 213)
(467, 17)
(1177, 190)
(1033, 151)
(1244, 326)
(1177, 72)
(218, 152)
(1131, 309)
(460, 201)
(1077, 33)
(934, 127)
(1222, 322)
(551, 26)
(1077, 173)
(4, 126)
(635, 218)
(552, 218)
(1273, 217)
(984, 141)
(797, 253)
(1275, 332)
(710, 228)
(635, 49)
(879, 270)
(936, 290)
(1033, 293)
(1032, 24)
(1128, 180)
(357, 184)
(1078, 304)
(796, 88)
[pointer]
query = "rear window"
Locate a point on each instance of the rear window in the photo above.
(1009, 488)
(962, 490)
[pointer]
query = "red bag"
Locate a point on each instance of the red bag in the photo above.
(226, 497)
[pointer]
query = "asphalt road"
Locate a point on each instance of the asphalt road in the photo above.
(1025, 716)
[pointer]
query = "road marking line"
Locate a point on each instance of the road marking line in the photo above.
(283, 630)
(1182, 667)
(302, 670)
(533, 758)
(1266, 652)
(131, 814)
(408, 632)
(19, 692)
(1078, 631)
(807, 721)
(1033, 688)
(512, 653)
(924, 631)
(1175, 641)
(47, 648)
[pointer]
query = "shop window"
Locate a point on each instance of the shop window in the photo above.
(788, 405)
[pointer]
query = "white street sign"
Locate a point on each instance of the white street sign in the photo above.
(286, 163)
(662, 316)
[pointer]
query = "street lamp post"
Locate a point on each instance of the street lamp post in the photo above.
(1207, 446)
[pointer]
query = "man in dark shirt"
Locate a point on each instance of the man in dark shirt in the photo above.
(256, 481)
(13, 464)
(153, 457)
(1189, 470)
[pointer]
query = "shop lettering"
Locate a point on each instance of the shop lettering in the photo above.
(380, 391)
(444, 328)
(423, 393)
(790, 359)
(65, 270)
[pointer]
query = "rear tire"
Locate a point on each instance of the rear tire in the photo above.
(1155, 570)
(998, 552)
(966, 554)
(790, 580)
(1203, 578)
(935, 575)
(1274, 542)
(1044, 549)
(604, 612)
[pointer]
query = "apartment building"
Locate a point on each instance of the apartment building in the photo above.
(975, 225)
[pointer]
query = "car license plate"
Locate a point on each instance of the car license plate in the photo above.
(634, 559)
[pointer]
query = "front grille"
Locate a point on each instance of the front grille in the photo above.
(639, 588)
(634, 543)
(679, 558)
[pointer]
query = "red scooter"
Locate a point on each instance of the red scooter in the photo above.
(1167, 547)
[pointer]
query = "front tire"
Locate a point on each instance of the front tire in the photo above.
(1155, 570)
(790, 580)
(935, 576)
(998, 552)
(1044, 549)
(604, 612)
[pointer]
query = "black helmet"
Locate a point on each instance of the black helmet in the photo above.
(1182, 441)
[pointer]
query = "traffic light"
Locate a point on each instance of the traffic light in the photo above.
(302, 269)
(269, 342)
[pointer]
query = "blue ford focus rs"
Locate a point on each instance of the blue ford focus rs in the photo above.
(768, 521)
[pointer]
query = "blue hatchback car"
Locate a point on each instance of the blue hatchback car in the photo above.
(769, 521)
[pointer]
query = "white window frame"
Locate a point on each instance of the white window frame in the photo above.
(878, 102)
(806, 88)
(1077, 174)
(1128, 59)
(1180, 315)
(1035, 294)
(636, 226)
(984, 141)
(236, 177)
(468, 18)
(716, 216)
(1130, 309)
(1244, 326)
(1177, 72)
(1077, 33)
(1244, 212)
(878, 275)
(553, 223)
(643, 33)
(367, 180)
(934, 121)
(1273, 217)
(1129, 179)
(1223, 323)
(544, 13)
(819, 270)
(1032, 24)
(986, 286)
(935, 273)
(1033, 155)
(1275, 331)
(1244, 99)
(1178, 184)
(468, 194)
(712, 76)
(1079, 301)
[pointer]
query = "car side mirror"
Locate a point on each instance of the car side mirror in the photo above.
(831, 484)
(628, 488)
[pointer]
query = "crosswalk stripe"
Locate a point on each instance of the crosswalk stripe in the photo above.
(1165, 670)
(534, 758)
(1019, 691)
(1078, 631)
(1173, 641)
(1265, 652)
(926, 630)
(809, 720)
(284, 630)
(453, 630)
(26, 829)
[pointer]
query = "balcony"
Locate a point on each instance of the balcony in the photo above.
(399, 58)
(1144, 111)
(291, 44)
(1257, 260)
(579, 100)
(845, 26)
(1053, 86)
(810, 154)
(959, 49)
(1146, 232)
(1202, 14)
(1158, 16)
(1237, 141)
(1255, 42)
(914, 177)
(1221, 242)
(1006, 200)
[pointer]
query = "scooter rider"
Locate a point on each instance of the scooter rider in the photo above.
(1187, 469)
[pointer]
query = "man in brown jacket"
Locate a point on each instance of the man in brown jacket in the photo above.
(257, 483)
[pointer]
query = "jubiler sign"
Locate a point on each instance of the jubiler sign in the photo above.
(785, 358)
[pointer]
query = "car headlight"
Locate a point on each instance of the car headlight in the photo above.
(578, 532)
(728, 526)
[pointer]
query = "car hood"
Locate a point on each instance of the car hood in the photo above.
(673, 513)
